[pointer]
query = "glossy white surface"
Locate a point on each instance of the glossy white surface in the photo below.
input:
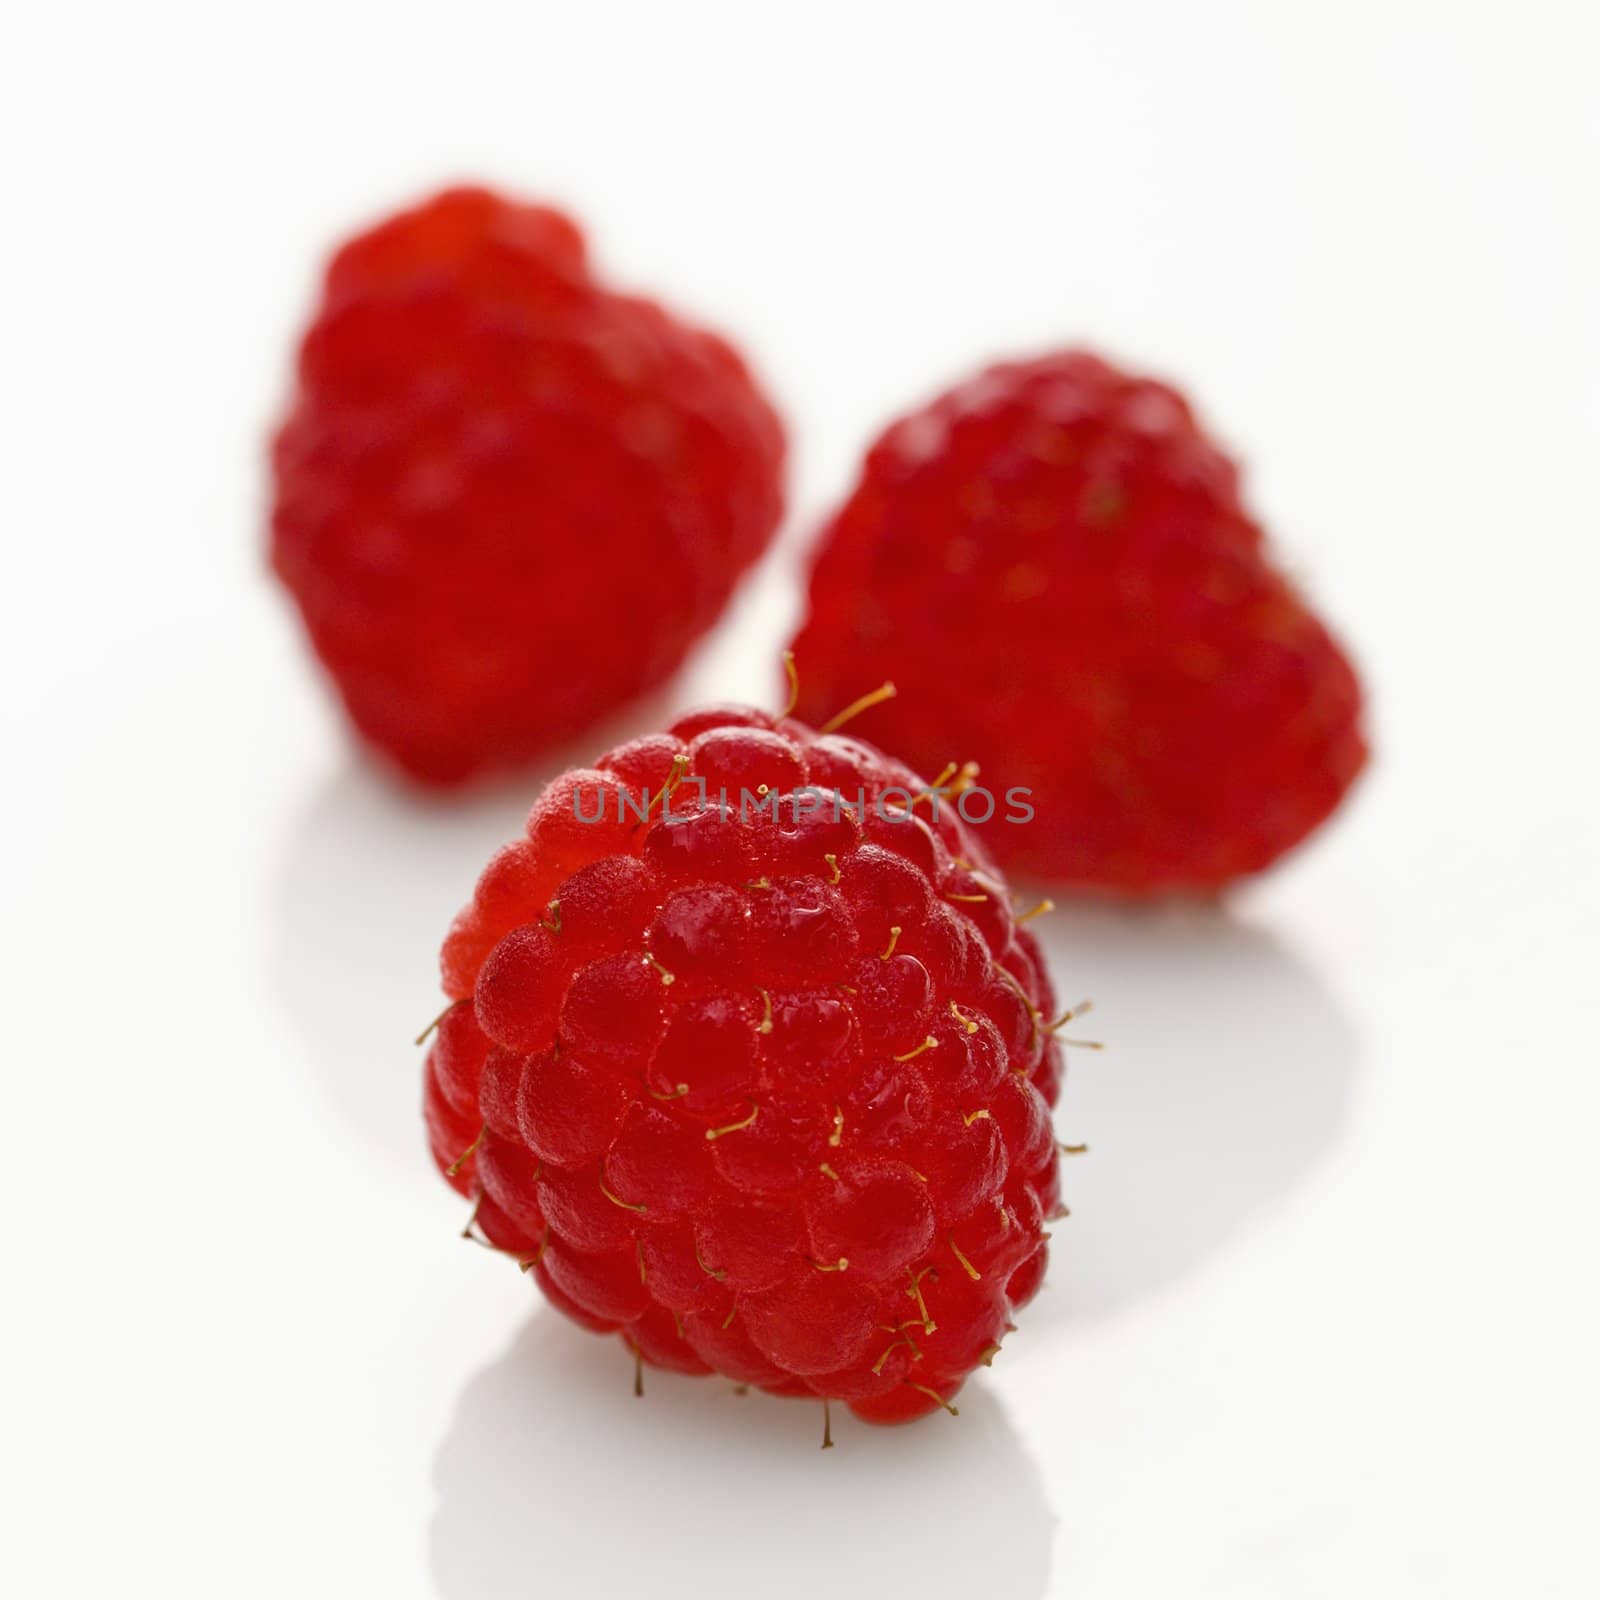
(1323, 1320)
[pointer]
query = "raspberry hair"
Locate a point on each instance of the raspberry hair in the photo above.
(764, 1091)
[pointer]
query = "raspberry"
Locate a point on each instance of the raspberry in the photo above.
(758, 1078)
(508, 499)
(1053, 563)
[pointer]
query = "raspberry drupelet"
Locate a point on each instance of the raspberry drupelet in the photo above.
(761, 1081)
(1055, 564)
(489, 461)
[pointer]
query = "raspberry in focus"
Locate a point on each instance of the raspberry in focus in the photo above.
(506, 498)
(758, 1081)
(1053, 562)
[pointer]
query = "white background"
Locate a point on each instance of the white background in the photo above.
(1323, 1322)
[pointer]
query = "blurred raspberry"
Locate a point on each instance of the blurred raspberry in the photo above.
(764, 1087)
(1053, 563)
(508, 499)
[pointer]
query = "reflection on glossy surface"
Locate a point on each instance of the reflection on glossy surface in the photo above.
(1226, 1076)
(555, 1479)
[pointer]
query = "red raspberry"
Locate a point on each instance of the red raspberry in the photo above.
(762, 1086)
(1053, 563)
(507, 498)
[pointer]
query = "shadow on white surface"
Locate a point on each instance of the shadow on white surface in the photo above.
(371, 877)
(1227, 1072)
(1226, 1077)
(554, 1478)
